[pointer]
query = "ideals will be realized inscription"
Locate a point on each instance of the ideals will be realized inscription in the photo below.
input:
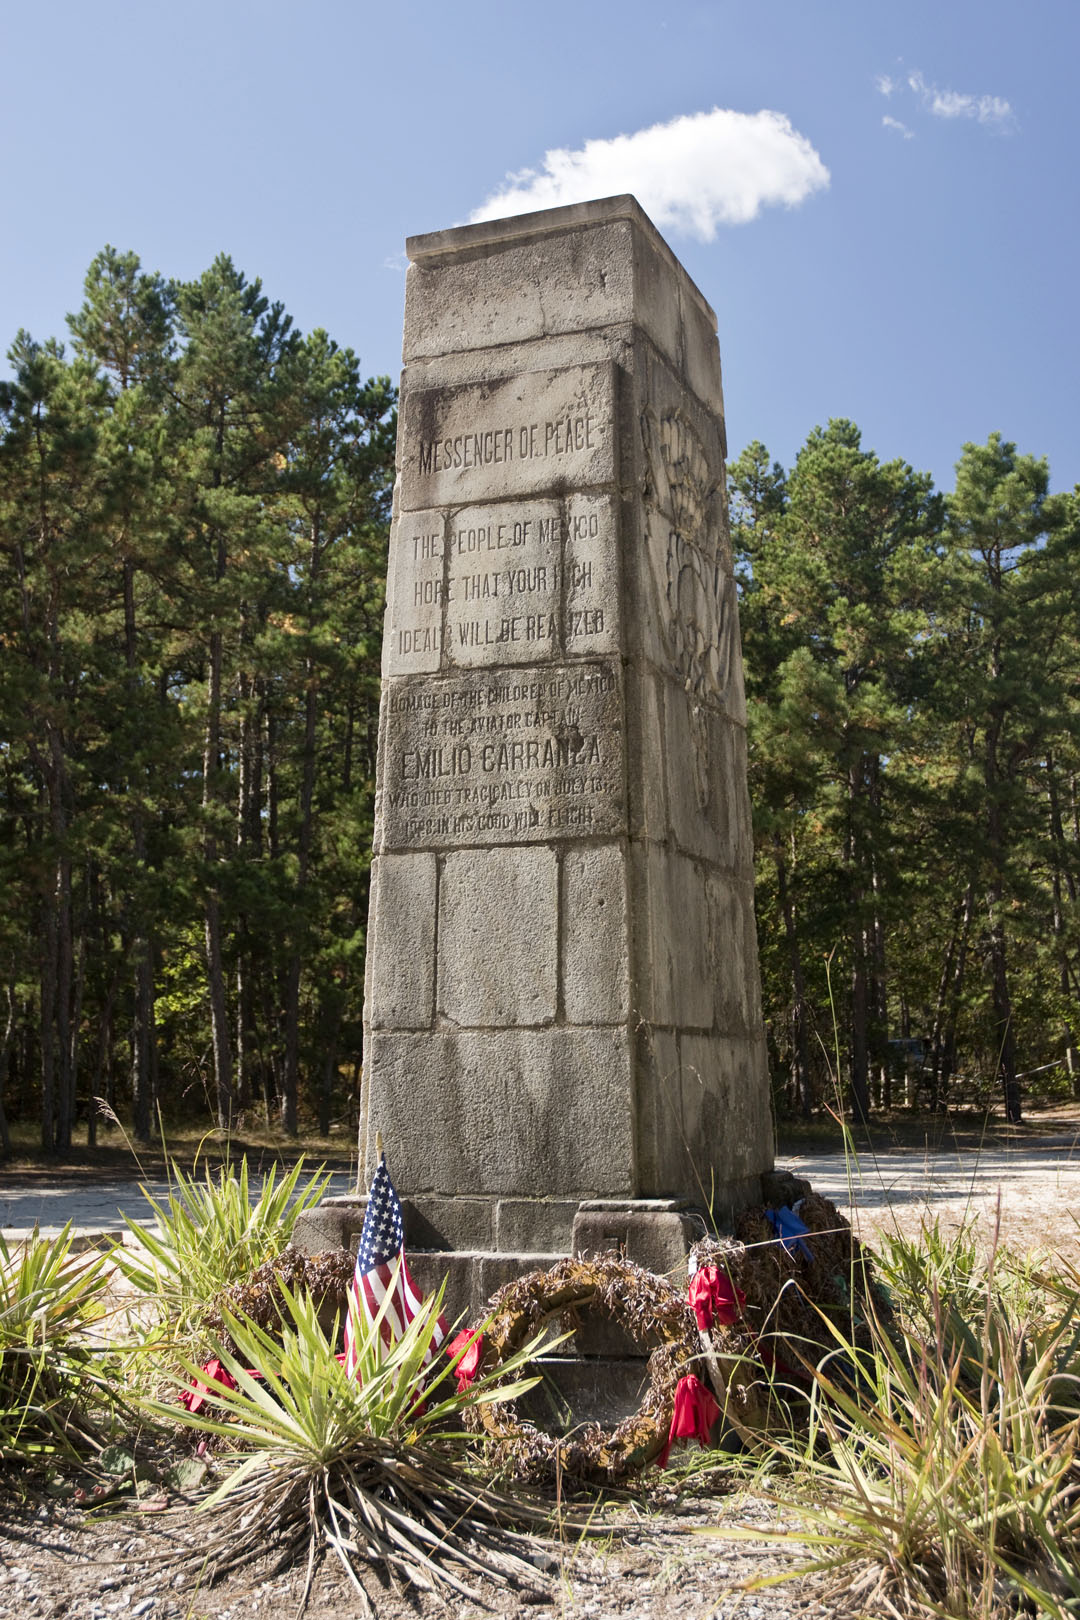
(503, 757)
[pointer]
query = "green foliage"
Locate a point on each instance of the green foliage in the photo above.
(372, 1466)
(54, 1391)
(944, 1479)
(208, 1234)
(914, 755)
(193, 517)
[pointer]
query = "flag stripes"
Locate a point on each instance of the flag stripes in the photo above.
(382, 1282)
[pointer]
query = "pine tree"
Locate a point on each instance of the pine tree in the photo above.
(1011, 611)
(838, 556)
(124, 328)
(229, 450)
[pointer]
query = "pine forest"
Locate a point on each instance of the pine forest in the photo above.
(194, 506)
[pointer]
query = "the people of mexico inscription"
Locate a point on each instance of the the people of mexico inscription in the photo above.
(513, 582)
(503, 547)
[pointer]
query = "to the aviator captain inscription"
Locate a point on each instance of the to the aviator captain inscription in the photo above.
(504, 756)
(543, 430)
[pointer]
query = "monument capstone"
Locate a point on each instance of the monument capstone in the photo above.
(564, 1043)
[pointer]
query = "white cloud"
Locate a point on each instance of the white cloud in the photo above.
(693, 174)
(993, 111)
(894, 123)
(885, 85)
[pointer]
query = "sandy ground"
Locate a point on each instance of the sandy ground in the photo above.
(1026, 1186)
(1033, 1174)
(674, 1563)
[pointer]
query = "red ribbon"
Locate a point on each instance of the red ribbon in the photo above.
(693, 1416)
(215, 1375)
(467, 1368)
(715, 1298)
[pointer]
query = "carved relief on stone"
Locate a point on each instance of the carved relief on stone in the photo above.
(684, 503)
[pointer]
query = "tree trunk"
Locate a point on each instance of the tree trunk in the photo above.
(800, 1042)
(245, 849)
(329, 1067)
(219, 1017)
(5, 1048)
(142, 1038)
(1062, 882)
(998, 940)
(937, 1038)
(860, 1046)
(859, 1058)
(292, 990)
(879, 1022)
(76, 1023)
(48, 1024)
(307, 799)
(65, 1100)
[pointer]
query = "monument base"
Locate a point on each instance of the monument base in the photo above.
(596, 1376)
(480, 1244)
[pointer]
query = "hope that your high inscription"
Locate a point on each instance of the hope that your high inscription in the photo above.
(503, 583)
(503, 759)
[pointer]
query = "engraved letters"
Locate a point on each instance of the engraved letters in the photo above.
(526, 580)
(512, 759)
(503, 571)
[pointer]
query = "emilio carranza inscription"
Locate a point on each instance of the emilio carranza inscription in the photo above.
(503, 758)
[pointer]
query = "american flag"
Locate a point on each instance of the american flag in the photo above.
(380, 1270)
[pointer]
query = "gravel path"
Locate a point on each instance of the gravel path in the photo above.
(1037, 1185)
(1037, 1182)
(93, 1209)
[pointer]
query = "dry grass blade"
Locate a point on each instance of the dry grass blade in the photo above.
(941, 1473)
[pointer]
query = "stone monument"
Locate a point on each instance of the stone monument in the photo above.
(564, 1043)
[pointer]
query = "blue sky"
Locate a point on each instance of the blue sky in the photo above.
(927, 289)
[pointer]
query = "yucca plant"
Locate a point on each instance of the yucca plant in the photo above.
(54, 1390)
(209, 1234)
(945, 1480)
(373, 1467)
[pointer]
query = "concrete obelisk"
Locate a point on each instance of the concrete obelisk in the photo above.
(563, 1024)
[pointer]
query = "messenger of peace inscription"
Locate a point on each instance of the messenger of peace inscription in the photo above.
(562, 997)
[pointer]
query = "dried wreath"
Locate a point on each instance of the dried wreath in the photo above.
(770, 1308)
(647, 1308)
(326, 1277)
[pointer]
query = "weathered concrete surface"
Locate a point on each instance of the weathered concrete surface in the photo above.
(526, 1112)
(570, 1009)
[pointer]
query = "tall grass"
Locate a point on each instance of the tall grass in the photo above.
(373, 1467)
(944, 1479)
(54, 1389)
(208, 1234)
